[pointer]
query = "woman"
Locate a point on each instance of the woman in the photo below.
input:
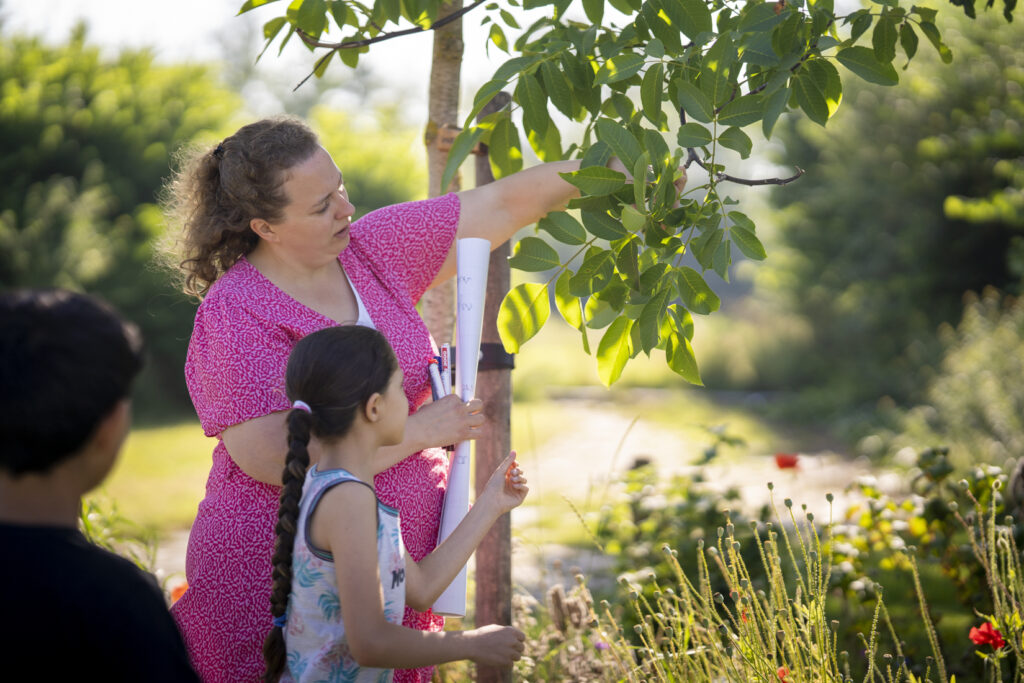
(268, 243)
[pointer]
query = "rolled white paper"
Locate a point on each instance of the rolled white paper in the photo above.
(472, 258)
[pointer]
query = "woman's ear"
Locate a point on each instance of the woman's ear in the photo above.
(372, 409)
(263, 229)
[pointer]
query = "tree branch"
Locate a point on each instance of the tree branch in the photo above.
(722, 177)
(348, 45)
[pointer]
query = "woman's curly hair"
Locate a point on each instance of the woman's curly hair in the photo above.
(215, 193)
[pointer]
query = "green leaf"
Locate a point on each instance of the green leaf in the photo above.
(533, 254)
(463, 144)
(695, 16)
(594, 10)
(861, 24)
(484, 95)
(632, 220)
(497, 36)
(598, 313)
(547, 145)
(558, 88)
(614, 350)
(680, 357)
(649, 322)
(309, 15)
(759, 18)
(722, 259)
(773, 109)
(862, 62)
(627, 262)
(253, 4)
(883, 39)
(926, 13)
(908, 40)
(596, 270)
(655, 48)
(621, 141)
(696, 294)
(568, 306)
(818, 90)
(594, 180)
(742, 111)
(656, 147)
(705, 245)
(693, 100)
(735, 139)
(534, 102)
(522, 314)
(563, 228)
(504, 151)
(509, 20)
(600, 224)
(273, 27)
(618, 68)
(321, 64)
(651, 90)
(931, 32)
(748, 243)
(693, 135)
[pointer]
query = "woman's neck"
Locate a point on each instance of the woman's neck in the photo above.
(283, 268)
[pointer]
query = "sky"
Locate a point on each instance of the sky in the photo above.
(201, 30)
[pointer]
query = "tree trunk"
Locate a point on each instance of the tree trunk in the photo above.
(494, 386)
(438, 304)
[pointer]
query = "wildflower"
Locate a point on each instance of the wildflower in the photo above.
(987, 635)
(743, 615)
(786, 461)
(178, 591)
(601, 645)
(782, 672)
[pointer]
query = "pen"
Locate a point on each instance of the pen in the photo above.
(435, 379)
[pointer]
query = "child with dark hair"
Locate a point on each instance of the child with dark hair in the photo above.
(72, 611)
(341, 576)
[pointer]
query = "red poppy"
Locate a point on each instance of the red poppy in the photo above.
(178, 591)
(786, 461)
(782, 672)
(743, 615)
(987, 634)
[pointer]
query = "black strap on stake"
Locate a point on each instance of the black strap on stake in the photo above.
(493, 356)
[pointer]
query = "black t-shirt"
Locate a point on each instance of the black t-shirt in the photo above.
(70, 611)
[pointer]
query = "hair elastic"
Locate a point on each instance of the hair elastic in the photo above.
(219, 151)
(302, 405)
(281, 621)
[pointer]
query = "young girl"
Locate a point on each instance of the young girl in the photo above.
(341, 577)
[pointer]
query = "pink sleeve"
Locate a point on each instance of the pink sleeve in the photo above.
(410, 241)
(235, 365)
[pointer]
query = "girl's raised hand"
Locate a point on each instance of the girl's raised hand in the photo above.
(507, 486)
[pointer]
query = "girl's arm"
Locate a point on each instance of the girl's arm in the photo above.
(346, 518)
(426, 580)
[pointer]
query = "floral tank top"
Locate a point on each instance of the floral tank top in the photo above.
(315, 635)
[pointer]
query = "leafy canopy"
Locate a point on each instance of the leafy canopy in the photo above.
(665, 83)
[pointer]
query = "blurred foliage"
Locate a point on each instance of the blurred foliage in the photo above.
(975, 399)
(945, 523)
(85, 141)
(913, 196)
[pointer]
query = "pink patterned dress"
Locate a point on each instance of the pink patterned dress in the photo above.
(244, 330)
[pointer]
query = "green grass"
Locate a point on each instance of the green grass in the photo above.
(160, 476)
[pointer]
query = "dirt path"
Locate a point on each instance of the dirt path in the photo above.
(578, 465)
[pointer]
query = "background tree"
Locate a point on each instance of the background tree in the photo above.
(85, 142)
(913, 197)
(662, 82)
